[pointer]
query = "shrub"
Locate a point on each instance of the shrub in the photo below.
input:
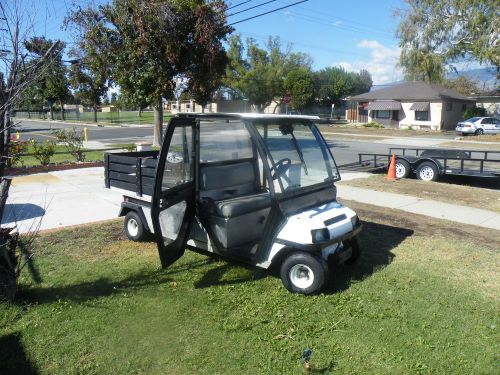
(373, 124)
(16, 149)
(474, 112)
(73, 141)
(43, 151)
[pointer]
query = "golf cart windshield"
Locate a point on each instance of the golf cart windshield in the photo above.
(300, 156)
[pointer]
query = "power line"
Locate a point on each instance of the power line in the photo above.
(247, 9)
(237, 5)
(271, 11)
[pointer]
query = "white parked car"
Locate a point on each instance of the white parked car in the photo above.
(478, 126)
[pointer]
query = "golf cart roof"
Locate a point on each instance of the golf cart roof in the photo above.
(248, 116)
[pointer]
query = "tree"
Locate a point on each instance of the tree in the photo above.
(152, 43)
(90, 72)
(19, 71)
(299, 83)
(258, 74)
(463, 85)
(435, 32)
(52, 86)
(422, 65)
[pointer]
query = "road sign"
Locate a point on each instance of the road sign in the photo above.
(287, 99)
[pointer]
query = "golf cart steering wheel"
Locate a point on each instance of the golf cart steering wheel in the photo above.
(279, 169)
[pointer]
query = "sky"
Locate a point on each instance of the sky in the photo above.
(355, 35)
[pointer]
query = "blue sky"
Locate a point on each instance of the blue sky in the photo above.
(354, 34)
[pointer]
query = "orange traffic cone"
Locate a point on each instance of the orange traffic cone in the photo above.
(391, 172)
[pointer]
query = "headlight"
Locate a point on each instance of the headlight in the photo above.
(320, 235)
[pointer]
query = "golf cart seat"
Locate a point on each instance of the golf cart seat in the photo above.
(235, 204)
(242, 205)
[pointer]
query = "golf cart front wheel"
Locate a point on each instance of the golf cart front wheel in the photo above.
(134, 228)
(304, 273)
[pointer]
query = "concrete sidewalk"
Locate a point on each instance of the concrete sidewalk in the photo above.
(78, 196)
(431, 208)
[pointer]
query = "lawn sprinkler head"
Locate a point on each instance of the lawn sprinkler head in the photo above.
(306, 359)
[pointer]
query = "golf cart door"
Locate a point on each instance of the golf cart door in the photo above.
(172, 205)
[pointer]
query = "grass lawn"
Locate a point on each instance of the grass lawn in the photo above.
(60, 158)
(414, 304)
(479, 197)
(121, 117)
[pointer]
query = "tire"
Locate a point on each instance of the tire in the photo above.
(134, 228)
(356, 251)
(479, 131)
(427, 171)
(403, 168)
(304, 273)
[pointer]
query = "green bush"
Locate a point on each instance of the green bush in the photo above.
(16, 149)
(474, 112)
(43, 151)
(73, 141)
(373, 124)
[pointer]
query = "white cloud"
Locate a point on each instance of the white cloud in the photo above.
(337, 23)
(382, 63)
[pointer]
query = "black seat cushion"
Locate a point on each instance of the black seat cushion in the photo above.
(242, 205)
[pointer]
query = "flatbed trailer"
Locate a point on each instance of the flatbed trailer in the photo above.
(430, 163)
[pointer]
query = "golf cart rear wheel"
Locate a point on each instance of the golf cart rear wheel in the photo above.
(427, 171)
(134, 228)
(402, 168)
(304, 273)
(356, 250)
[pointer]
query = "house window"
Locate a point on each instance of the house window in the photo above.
(383, 114)
(421, 115)
(449, 107)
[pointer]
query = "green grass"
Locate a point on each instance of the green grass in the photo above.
(414, 304)
(30, 160)
(122, 117)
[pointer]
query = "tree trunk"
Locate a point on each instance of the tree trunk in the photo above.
(140, 111)
(51, 112)
(4, 139)
(62, 111)
(95, 113)
(158, 126)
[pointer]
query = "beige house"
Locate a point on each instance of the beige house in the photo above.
(223, 106)
(415, 105)
(490, 101)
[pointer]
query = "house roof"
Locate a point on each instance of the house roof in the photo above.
(487, 94)
(417, 91)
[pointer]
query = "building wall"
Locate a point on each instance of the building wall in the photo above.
(451, 117)
(492, 105)
(407, 118)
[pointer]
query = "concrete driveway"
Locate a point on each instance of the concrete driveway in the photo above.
(59, 199)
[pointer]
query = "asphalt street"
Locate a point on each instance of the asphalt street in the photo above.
(344, 151)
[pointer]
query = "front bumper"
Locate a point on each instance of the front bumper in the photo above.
(464, 130)
(315, 247)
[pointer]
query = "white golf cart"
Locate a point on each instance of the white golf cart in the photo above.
(255, 188)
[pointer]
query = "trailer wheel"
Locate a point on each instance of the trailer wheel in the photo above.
(134, 228)
(427, 171)
(304, 273)
(403, 168)
(356, 251)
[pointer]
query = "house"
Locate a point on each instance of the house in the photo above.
(490, 101)
(415, 105)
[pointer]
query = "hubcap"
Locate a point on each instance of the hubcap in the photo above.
(400, 170)
(301, 276)
(132, 227)
(427, 173)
